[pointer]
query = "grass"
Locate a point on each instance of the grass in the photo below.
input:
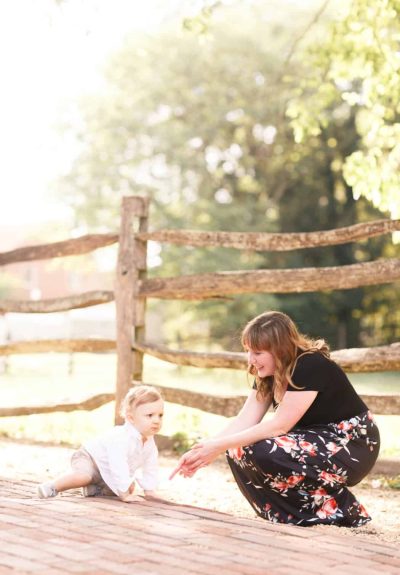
(46, 378)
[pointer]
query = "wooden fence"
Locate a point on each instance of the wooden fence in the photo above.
(133, 288)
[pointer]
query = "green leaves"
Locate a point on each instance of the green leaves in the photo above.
(198, 125)
(359, 65)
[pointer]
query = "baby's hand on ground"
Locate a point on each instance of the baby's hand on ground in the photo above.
(131, 498)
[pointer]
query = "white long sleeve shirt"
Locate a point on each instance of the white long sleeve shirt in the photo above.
(120, 453)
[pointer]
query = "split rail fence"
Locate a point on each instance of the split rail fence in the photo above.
(133, 288)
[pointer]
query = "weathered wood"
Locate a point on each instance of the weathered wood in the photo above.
(132, 289)
(128, 311)
(369, 359)
(383, 404)
(274, 242)
(355, 360)
(240, 240)
(73, 247)
(58, 346)
(85, 405)
(230, 360)
(140, 247)
(209, 285)
(229, 405)
(86, 299)
(126, 279)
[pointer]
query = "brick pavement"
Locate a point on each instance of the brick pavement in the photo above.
(102, 536)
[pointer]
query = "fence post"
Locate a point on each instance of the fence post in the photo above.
(130, 309)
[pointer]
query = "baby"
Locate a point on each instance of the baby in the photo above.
(107, 464)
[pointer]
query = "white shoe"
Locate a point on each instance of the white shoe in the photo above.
(46, 490)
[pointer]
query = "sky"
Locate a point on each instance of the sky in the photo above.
(51, 53)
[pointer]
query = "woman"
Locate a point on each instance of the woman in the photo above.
(296, 466)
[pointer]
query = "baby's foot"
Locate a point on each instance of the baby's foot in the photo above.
(46, 490)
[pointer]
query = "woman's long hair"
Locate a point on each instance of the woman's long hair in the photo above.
(275, 332)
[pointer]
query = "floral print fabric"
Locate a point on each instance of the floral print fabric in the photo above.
(302, 478)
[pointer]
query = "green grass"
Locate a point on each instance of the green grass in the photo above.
(45, 378)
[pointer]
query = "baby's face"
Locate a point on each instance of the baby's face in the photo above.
(147, 418)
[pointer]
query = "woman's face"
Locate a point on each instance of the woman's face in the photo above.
(262, 361)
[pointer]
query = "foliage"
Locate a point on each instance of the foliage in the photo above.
(199, 126)
(181, 442)
(394, 482)
(359, 64)
(199, 21)
(9, 284)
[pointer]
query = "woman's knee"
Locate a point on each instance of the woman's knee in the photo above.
(260, 454)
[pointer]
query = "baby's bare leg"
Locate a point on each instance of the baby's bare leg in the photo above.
(72, 480)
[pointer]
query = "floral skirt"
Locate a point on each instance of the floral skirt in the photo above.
(302, 478)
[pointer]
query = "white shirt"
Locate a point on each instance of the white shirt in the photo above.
(120, 453)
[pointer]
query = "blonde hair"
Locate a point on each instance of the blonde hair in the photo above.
(138, 396)
(275, 332)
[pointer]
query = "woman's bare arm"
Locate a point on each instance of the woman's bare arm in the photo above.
(252, 412)
(291, 409)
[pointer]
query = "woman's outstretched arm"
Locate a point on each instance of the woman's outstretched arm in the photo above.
(252, 412)
(291, 409)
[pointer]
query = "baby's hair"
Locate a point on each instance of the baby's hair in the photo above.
(138, 396)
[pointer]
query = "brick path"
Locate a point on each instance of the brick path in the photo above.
(102, 536)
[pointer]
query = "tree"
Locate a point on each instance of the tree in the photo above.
(359, 63)
(200, 127)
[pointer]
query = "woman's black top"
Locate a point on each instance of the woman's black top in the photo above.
(336, 399)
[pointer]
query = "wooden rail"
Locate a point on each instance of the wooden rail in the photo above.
(354, 360)
(58, 346)
(259, 241)
(87, 404)
(209, 285)
(86, 299)
(226, 405)
(256, 241)
(73, 247)
(133, 288)
(219, 284)
(229, 405)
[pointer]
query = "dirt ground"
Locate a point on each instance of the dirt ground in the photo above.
(214, 487)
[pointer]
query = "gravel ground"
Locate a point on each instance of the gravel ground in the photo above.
(212, 487)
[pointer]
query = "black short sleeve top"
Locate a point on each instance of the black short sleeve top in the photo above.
(336, 399)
